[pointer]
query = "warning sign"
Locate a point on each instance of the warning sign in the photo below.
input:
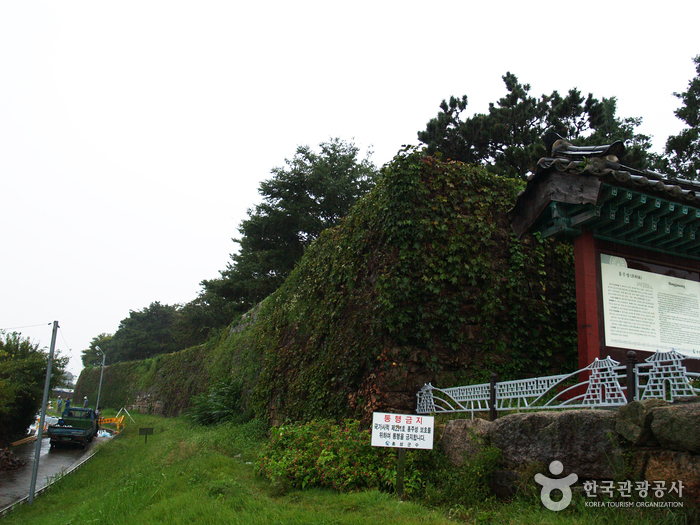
(402, 431)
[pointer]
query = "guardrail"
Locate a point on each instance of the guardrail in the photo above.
(606, 384)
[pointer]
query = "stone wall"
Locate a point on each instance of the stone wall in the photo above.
(651, 440)
(147, 404)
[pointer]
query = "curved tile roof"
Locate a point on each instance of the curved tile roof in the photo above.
(586, 187)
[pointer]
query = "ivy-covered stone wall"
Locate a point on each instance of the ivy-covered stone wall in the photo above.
(423, 281)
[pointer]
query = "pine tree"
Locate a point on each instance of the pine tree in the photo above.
(683, 150)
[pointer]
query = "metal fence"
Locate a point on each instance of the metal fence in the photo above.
(602, 384)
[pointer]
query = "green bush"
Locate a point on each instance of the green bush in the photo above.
(223, 403)
(462, 487)
(326, 454)
(331, 455)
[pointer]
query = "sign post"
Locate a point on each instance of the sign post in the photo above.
(402, 431)
(145, 431)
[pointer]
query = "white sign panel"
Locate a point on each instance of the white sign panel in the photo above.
(402, 430)
(648, 311)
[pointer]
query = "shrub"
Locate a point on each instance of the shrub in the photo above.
(462, 487)
(222, 404)
(326, 454)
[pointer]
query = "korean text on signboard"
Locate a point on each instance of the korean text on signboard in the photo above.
(402, 430)
(648, 311)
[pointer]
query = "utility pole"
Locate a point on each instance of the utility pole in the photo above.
(40, 428)
(99, 390)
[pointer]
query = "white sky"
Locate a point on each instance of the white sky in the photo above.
(134, 134)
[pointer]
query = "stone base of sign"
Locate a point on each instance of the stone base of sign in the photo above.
(677, 426)
(583, 440)
(464, 438)
(671, 465)
(634, 420)
(594, 444)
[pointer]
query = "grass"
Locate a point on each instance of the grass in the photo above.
(207, 475)
(197, 475)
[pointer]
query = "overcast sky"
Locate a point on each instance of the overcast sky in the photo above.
(134, 135)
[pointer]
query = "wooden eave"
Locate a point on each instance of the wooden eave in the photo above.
(644, 211)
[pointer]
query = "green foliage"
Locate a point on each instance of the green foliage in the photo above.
(233, 438)
(186, 475)
(424, 274)
(93, 357)
(159, 329)
(203, 474)
(175, 378)
(325, 454)
(463, 487)
(223, 403)
(311, 193)
(683, 150)
(508, 139)
(199, 319)
(144, 333)
(22, 379)
(460, 277)
(422, 281)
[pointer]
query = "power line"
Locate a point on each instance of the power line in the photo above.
(21, 327)
(64, 339)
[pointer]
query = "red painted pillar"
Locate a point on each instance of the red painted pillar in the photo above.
(586, 298)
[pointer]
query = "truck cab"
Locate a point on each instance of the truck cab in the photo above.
(76, 425)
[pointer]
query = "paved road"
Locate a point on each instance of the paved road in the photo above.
(14, 484)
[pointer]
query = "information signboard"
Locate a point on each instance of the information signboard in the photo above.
(649, 311)
(402, 431)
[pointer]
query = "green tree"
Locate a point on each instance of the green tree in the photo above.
(91, 356)
(508, 139)
(145, 333)
(683, 150)
(22, 377)
(197, 319)
(311, 193)
(160, 329)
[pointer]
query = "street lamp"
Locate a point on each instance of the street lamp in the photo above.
(99, 390)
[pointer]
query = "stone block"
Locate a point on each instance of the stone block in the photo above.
(584, 441)
(673, 466)
(464, 438)
(677, 426)
(634, 420)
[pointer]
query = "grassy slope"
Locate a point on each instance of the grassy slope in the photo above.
(185, 475)
(206, 475)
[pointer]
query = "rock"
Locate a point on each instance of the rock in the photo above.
(634, 420)
(677, 426)
(146, 404)
(9, 461)
(463, 438)
(673, 466)
(583, 440)
(686, 399)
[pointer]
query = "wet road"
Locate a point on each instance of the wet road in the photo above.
(14, 484)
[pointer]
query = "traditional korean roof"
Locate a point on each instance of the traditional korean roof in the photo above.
(576, 187)
(608, 362)
(666, 356)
